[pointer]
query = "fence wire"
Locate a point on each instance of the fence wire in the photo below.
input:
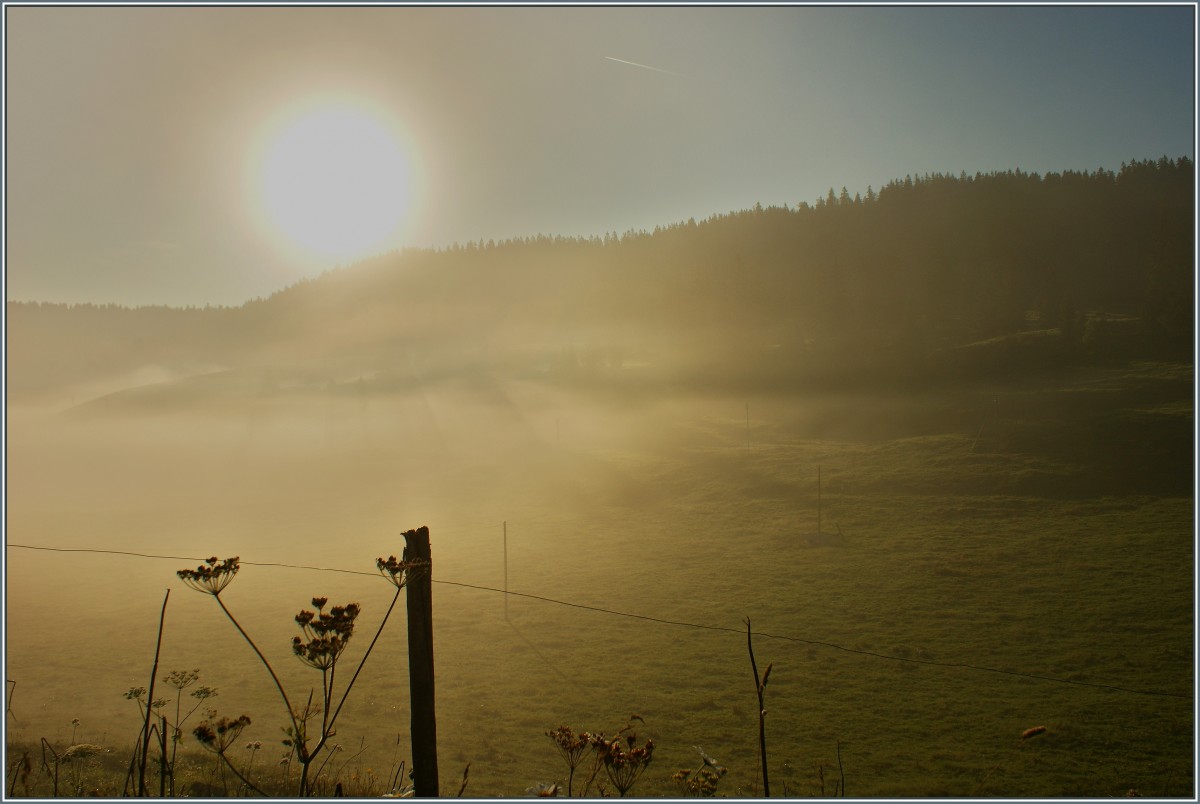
(660, 620)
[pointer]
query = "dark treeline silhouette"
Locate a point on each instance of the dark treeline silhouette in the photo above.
(930, 276)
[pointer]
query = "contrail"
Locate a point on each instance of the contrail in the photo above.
(646, 67)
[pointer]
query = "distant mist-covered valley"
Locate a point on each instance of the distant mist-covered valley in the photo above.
(937, 440)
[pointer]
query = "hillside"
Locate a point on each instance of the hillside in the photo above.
(930, 277)
(936, 443)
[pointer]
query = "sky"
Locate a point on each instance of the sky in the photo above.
(136, 138)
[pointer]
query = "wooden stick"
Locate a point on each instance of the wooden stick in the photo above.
(420, 666)
(150, 700)
(760, 685)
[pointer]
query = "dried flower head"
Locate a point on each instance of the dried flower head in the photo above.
(219, 734)
(624, 760)
(399, 572)
(135, 693)
(326, 633)
(181, 679)
(570, 746)
(699, 783)
(81, 750)
(204, 693)
(212, 576)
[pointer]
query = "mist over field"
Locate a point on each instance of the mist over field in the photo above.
(992, 374)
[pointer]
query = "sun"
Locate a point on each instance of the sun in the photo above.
(334, 179)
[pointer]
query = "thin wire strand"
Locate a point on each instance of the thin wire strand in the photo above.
(659, 620)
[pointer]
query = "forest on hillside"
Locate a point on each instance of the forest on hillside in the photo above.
(936, 276)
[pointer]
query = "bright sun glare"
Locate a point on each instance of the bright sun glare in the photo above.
(335, 180)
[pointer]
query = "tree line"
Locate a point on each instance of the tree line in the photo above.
(897, 281)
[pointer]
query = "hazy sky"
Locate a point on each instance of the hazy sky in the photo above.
(136, 138)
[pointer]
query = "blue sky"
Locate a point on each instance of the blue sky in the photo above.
(128, 130)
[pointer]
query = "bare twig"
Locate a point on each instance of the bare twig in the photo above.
(466, 771)
(759, 686)
(238, 774)
(21, 770)
(162, 763)
(841, 771)
(363, 661)
(263, 659)
(321, 768)
(596, 765)
(395, 782)
(45, 763)
(133, 764)
(162, 616)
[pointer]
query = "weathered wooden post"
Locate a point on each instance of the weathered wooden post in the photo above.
(420, 666)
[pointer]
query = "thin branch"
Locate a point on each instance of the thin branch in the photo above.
(238, 774)
(328, 756)
(162, 763)
(363, 661)
(466, 772)
(262, 658)
(327, 726)
(841, 772)
(46, 764)
(759, 686)
(150, 699)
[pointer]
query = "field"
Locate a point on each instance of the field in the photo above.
(1040, 527)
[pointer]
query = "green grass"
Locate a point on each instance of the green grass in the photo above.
(1044, 527)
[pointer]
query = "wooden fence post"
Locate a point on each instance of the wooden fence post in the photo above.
(420, 666)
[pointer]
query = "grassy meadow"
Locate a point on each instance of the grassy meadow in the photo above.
(1042, 526)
